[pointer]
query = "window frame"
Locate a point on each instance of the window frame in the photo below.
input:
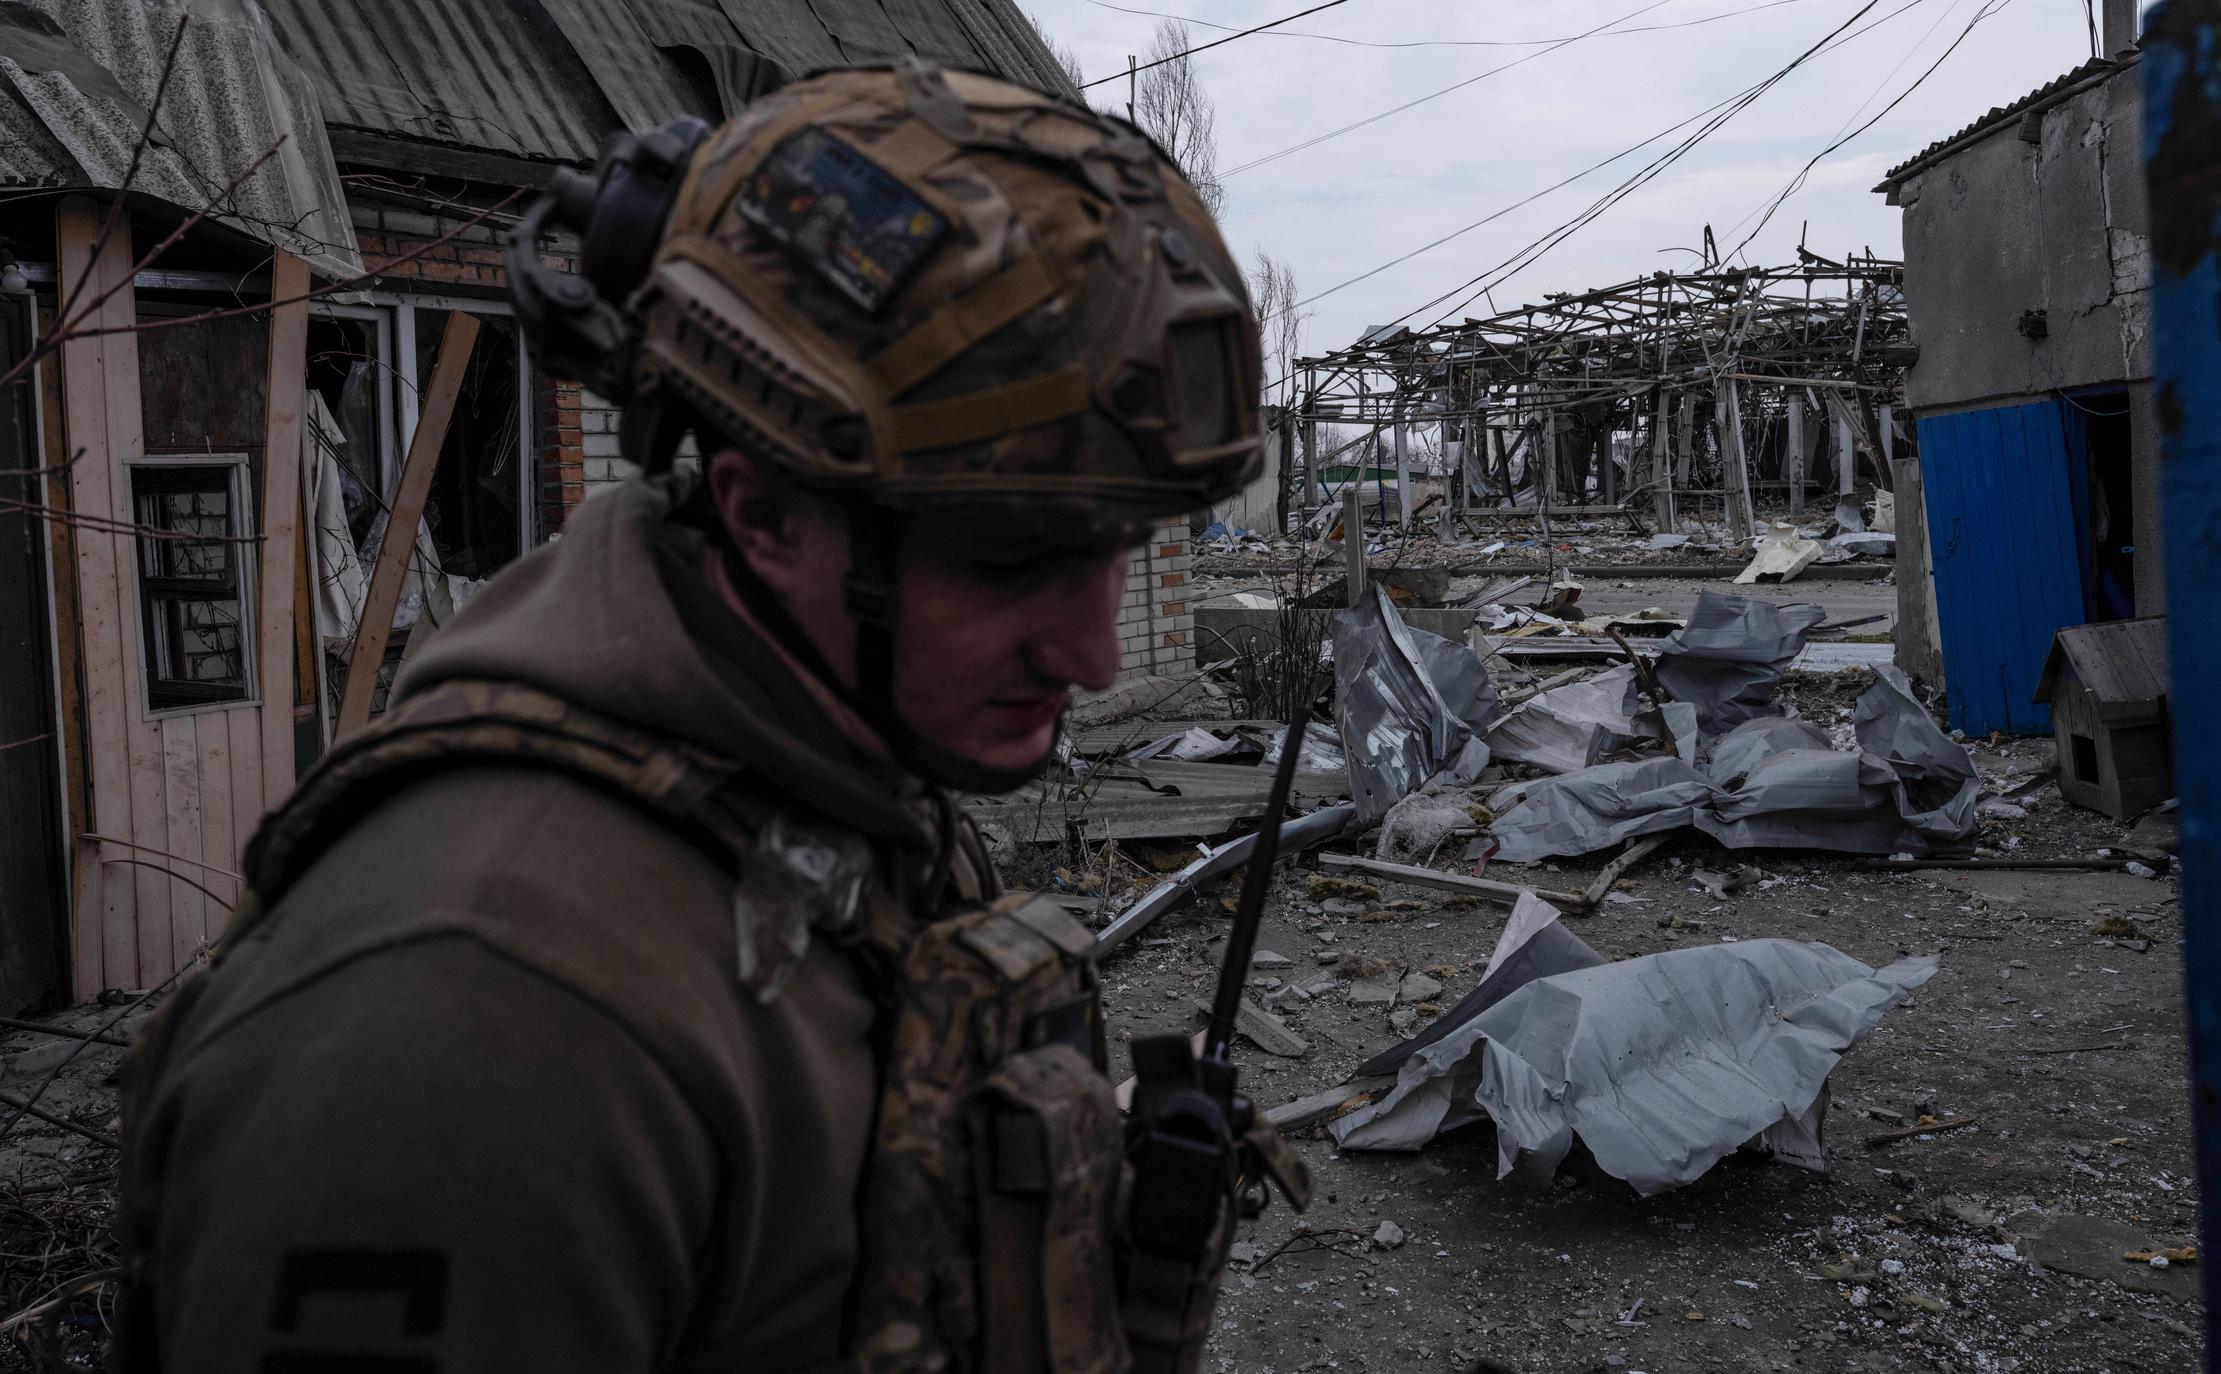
(242, 526)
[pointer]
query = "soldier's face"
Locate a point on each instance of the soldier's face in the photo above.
(991, 640)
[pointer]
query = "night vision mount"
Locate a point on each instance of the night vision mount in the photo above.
(579, 325)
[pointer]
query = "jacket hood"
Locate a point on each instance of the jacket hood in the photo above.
(591, 618)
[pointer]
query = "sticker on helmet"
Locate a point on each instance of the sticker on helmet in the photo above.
(842, 214)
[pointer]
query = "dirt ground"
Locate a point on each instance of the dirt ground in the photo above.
(1994, 1247)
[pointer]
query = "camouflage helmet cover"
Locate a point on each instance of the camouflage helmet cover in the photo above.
(935, 287)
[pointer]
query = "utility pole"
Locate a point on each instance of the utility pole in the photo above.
(2181, 72)
(1133, 79)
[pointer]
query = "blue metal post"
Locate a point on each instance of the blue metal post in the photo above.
(2182, 162)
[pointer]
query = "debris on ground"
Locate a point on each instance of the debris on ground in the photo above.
(1661, 1066)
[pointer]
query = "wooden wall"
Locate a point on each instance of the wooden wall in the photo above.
(169, 799)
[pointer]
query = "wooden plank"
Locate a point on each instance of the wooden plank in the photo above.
(150, 820)
(1318, 1107)
(284, 398)
(248, 794)
(376, 626)
(181, 787)
(1450, 882)
(220, 840)
(69, 648)
(1593, 896)
(105, 900)
(304, 621)
(1097, 740)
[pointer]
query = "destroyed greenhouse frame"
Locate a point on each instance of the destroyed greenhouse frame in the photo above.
(1699, 389)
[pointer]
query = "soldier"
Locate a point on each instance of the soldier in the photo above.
(635, 996)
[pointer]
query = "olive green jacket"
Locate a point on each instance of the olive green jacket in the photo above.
(482, 1091)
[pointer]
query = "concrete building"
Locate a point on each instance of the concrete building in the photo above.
(2033, 503)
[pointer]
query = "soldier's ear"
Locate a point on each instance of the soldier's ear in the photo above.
(783, 532)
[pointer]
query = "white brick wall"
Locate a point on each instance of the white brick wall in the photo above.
(1156, 628)
(597, 420)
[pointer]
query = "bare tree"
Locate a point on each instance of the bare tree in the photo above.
(1066, 58)
(1171, 104)
(1272, 290)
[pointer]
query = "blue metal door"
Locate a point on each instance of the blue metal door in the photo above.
(2007, 520)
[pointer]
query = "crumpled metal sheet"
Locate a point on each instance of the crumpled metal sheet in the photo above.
(1569, 728)
(1409, 704)
(1770, 782)
(1662, 1065)
(1726, 660)
(1782, 553)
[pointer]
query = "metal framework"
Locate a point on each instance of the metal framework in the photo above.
(1691, 388)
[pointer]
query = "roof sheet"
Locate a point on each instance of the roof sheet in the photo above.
(539, 79)
(77, 78)
(1999, 115)
(552, 79)
(2122, 663)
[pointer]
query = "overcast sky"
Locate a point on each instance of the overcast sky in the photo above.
(1352, 203)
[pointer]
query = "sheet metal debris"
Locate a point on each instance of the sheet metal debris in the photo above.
(1782, 554)
(1573, 726)
(1661, 1065)
(1771, 781)
(1410, 705)
(1728, 658)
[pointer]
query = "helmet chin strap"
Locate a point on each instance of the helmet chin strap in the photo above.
(868, 594)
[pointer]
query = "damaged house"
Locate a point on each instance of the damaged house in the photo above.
(223, 347)
(2034, 501)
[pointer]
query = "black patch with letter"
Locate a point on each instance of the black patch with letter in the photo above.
(842, 214)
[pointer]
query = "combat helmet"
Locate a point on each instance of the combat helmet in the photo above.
(932, 292)
(928, 288)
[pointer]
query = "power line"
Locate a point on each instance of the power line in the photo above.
(1459, 86)
(1833, 40)
(1130, 71)
(1989, 8)
(1449, 42)
(1734, 106)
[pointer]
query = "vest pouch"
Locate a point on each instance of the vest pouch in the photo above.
(1047, 1173)
(997, 1159)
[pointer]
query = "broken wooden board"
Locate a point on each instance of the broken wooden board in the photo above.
(1213, 799)
(1100, 740)
(1506, 893)
(1325, 1106)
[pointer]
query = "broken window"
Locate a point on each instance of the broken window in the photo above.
(192, 596)
(476, 509)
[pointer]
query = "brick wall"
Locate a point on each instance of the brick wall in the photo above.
(598, 422)
(1156, 629)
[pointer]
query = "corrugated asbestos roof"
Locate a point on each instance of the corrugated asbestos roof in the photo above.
(2087, 73)
(538, 79)
(553, 78)
(77, 77)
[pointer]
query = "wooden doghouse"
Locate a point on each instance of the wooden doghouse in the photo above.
(2106, 685)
